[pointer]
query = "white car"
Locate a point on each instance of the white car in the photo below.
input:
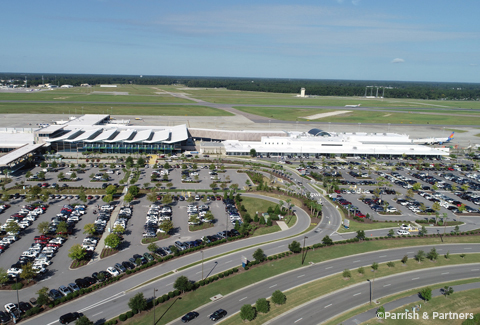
(402, 232)
(11, 308)
(113, 271)
(14, 271)
(405, 227)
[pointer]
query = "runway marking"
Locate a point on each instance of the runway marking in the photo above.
(446, 273)
(383, 256)
(357, 294)
(328, 267)
(356, 261)
(415, 278)
(298, 320)
(273, 286)
(97, 314)
(243, 298)
(300, 276)
(387, 285)
(327, 306)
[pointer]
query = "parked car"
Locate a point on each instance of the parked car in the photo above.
(402, 232)
(64, 290)
(113, 271)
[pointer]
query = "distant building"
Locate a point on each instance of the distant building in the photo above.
(108, 86)
(66, 86)
(302, 92)
(84, 85)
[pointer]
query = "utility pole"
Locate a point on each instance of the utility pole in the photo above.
(154, 304)
(202, 264)
(303, 252)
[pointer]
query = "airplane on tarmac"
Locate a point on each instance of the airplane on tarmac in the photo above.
(434, 140)
(352, 106)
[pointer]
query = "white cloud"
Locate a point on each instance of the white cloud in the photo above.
(355, 2)
(398, 60)
(473, 64)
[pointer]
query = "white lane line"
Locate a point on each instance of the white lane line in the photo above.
(415, 278)
(445, 273)
(410, 252)
(298, 320)
(273, 286)
(327, 306)
(53, 322)
(243, 298)
(281, 246)
(467, 248)
(169, 284)
(356, 261)
(228, 261)
(387, 285)
(198, 272)
(300, 276)
(357, 294)
(475, 269)
(328, 267)
(383, 256)
(97, 314)
(101, 302)
(439, 249)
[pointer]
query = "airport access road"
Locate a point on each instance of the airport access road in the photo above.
(320, 310)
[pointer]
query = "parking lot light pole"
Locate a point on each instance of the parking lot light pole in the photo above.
(154, 304)
(202, 264)
(303, 252)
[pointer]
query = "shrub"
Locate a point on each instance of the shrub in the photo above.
(165, 297)
(160, 300)
(391, 264)
(171, 294)
(17, 286)
(278, 297)
(122, 317)
(361, 270)
(262, 305)
(129, 314)
(235, 270)
(221, 275)
(177, 292)
(347, 273)
(135, 311)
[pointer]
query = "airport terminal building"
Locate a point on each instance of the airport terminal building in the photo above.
(318, 142)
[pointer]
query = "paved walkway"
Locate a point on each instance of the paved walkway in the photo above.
(369, 314)
(283, 226)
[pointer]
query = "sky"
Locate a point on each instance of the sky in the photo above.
(406, 40)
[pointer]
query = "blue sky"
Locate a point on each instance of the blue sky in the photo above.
(421, 40)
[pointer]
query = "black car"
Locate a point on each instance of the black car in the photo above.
(24, 307)
(55, 294)
(128, 265)
(189, 316)
(218, 314)
(68, 318)
(82, 283)
(4, 317)
(90, 280)
(143, 260)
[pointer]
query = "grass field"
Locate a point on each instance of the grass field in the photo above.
(373, 116)
(467, 301)
(254, 205)
(193, 300)
(167, 110)
(266, 230)
(355, 225)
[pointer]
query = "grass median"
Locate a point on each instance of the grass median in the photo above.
(193, 300)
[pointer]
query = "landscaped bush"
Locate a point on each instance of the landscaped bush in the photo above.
(171, 294)
(134, 311)
(17, 286)
(122, 317)
(166, 297)
(177, 292)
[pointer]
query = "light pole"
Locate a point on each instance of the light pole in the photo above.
(154, 304)
(303, 252)
(202, 264)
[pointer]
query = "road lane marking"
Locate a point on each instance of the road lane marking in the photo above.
(475, 269)
(415, 278)
(328, 267)
(53, 322)
(228, 261)
(169, 284)
(101, 302)
(467, 248)
(440, 249)
(445, 273)
(97, 314)
(281, 246)
(410, 252)
(387, 285)
(383, 256)
(327, 306)
(198, 272)
(273, 286)
(356, 261)
(298, 320)
(357, 294)
(300, 276)
(243, 298)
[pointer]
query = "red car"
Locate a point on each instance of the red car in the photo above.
(53, 245)
(219, 198)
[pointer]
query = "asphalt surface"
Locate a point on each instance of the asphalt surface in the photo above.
(331, 305)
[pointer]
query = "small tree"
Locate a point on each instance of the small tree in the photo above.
(62, 227)
(247, 312)
(42, 298)
(391, 233)
(361, 270)
(152, 197)
(83, 320)
(432, 255)
(327, 241)
(111, 190)
(391, 264)
(128, 198)
(183, 284)
(374, 266)
(295, 247)
(404, 259)
(447, 291)
(166, 226)
(138, 302)
(262, 305)
(152, 247)
(12, 227)
(347, 274)
(28, 273)
(426, 294)
(89, 229)
(447, 256)
(134, 190)
(118, 229)
(360, 234)
(259, 255)
(420, 256)
(278, 298)
(77, 252)
(423, 231)
(43, 227)
(112, 241)
(107, 198)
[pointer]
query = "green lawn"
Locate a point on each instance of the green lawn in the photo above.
(205, 225)
(266, 230)
(254, 205)
(357, 116)
(167, 110)
(355, 225)
(467, 301)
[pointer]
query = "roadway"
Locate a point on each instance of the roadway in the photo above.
(112, 300)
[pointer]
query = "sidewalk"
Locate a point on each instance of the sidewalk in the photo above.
(369, 314)
(101, 242)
